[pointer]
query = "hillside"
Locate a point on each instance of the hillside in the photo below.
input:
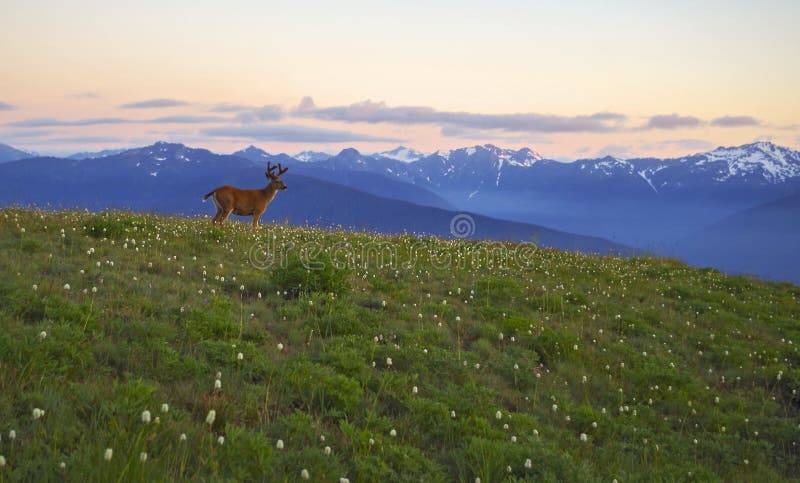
(141, 347)
(756, 240)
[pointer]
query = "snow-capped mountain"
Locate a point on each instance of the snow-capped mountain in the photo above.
(401, 153)
(312, 156)
(640, 201)
(751, 165)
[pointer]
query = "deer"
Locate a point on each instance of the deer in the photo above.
(247, 202)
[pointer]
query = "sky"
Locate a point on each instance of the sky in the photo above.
(569, 79)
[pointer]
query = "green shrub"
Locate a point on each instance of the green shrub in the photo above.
(296, 276)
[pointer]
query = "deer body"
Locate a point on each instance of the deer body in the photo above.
(229, 199)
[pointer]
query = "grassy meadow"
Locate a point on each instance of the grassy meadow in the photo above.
(144, 348)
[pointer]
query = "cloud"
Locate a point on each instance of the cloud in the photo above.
(293, 134)
(226, 107)
(378, 112)
(36, 133)
(735, 121)
(672, 121)
(188, 119)
(78, 140)
(264, 113)
(50, 122)
(5, 106)
(84, 95)
(154, 103)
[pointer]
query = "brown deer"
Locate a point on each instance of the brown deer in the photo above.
(246, 202)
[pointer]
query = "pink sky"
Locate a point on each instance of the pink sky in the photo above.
(574, 80)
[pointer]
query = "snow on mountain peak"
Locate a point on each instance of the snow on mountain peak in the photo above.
(402, 153)
(312, 156)
(773, 162)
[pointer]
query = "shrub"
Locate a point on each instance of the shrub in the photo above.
(316, 274)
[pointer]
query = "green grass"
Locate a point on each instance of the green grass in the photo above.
(670, 372)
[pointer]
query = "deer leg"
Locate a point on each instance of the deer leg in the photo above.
(225, 216)
(256, 216)
(216, 217)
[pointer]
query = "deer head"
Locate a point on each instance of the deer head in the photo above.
(275, 179)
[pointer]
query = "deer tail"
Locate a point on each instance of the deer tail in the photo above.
(208, 195)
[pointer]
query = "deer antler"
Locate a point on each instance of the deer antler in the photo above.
(271, 168)
(281, 169)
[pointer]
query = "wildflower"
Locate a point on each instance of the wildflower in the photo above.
(453, 414)
(108, 454)
(327, 451)
(2, 461)
(389, 361)
(62, 465)
(371, 441)
(239, 356)
(279, 444)
(212, 415)
(555, 407)
(182, 437)
(304, 474)
(217, 385)
(513, 439)
(42, 335)
(66, 286)
(393, 433)
(146, 416)
(280, 346)
(498, 415)
(12, 435)
(414, 390)
(35, 287)
(584, 437)
(528, 463)
(221, 440)
(38, 413)
(142, 456)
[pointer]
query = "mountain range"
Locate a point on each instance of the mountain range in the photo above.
(657, 205)
(171, 178)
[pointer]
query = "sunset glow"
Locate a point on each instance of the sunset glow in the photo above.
(575, 80)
